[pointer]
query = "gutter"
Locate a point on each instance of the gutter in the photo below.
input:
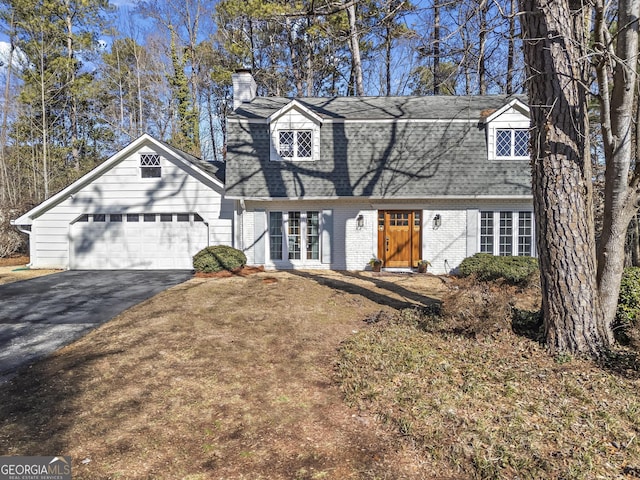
(14, 224)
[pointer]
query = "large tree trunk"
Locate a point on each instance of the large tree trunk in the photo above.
(554, 38)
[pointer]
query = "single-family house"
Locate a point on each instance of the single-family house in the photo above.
(311, 183)
(332, 182)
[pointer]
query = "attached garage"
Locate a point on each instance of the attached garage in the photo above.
(150, 206)
(136, 241)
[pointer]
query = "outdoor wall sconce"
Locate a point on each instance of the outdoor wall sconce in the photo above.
(360, 222)
(437, 221)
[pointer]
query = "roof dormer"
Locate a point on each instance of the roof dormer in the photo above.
(295, 133)
(508, 132)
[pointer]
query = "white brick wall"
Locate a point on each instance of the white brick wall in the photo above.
(446, 246)
(353, 247)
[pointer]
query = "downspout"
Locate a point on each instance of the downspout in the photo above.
(28, 232)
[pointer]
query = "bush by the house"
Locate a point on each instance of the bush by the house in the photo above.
(217, 258)
(627, 324)
(11, 241)
(487, 267)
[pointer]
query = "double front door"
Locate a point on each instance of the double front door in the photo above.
(399, 237)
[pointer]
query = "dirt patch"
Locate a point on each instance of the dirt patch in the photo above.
(13, 269)
(218, 378)
(14, 261)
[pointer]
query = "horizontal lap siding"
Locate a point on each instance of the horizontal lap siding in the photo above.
(121, 190)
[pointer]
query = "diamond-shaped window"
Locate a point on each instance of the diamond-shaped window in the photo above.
(304, 144)
(520, 143)
(295, 144)
(503, 143)
(286, 143)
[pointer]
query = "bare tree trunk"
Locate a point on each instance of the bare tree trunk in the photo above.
(617, 121)
(511, 48)
(71, 77)
(45, 131)
(554, 39)
(482, 41)
(8, 196)
(387, 59)
(436, 47)
(355, 50)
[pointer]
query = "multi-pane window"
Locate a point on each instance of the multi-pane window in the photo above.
(150, 165)
(275, 235)
(295, 144)
(399, 219)
(512, 143)
(294, 235)
(313, 235)
(486, 232)
(506, 233)
(525, 233)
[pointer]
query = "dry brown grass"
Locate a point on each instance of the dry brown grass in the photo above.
(484, 403)
(216, 378)
(13, 269)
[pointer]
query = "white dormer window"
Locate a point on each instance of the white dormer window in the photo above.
(512, 143)
(508, 132)
(295, 144)
(150, 165)
(294, 131)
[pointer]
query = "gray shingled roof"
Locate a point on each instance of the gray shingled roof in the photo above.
(380, 160)
(216, 169)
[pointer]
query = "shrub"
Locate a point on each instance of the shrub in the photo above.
(514, 270)
(218, 258)
(11, 241)
(627, 325)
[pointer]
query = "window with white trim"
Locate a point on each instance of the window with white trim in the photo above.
(294, 235)
(506, 233)
(150, 165)
(295, 144)
(512, 143)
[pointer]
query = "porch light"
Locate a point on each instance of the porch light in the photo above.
(437, 221)
(360, 222)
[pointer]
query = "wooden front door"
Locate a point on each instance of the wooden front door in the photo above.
(399, 237)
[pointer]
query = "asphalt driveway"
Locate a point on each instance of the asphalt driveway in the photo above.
(40, 315)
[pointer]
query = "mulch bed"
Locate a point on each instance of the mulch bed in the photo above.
(240, 272)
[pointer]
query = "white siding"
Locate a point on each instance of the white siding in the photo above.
(509, 119)
(294, 120)
(122, 190)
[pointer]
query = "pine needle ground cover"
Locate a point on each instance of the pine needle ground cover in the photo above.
(481, 402)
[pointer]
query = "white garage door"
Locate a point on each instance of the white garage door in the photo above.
(136, 241)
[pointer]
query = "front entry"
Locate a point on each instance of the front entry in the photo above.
(399, 237)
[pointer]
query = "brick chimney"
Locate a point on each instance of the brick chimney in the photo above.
(244, 87)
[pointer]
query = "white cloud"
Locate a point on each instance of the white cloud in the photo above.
(19, 58)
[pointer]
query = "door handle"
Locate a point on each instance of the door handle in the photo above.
(386, 244)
